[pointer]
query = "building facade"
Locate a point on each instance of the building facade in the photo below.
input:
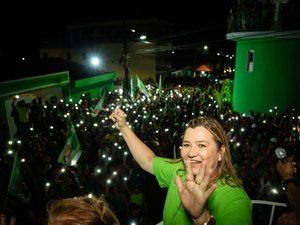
(118, 46)
(267, 55)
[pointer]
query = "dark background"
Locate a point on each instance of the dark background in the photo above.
(23, 25)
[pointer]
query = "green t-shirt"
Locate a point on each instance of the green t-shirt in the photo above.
(229, 205)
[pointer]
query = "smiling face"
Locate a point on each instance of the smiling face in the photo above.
(199, 146)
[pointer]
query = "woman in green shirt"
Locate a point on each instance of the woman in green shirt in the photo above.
(203, 187)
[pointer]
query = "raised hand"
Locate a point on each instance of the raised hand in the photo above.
(196, 190)
(118, 117)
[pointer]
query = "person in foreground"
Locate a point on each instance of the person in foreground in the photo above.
(3, 220)
(287, 171)
(203, 187)
(81, 210)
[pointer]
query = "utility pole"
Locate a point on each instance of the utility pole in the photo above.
(126, 69)
(124, 59)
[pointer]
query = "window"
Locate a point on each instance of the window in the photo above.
(250, 61)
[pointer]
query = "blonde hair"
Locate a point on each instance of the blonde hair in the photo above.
(225, 170)
(81, 211)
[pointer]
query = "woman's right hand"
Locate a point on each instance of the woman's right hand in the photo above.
(119, 118)
(286, 170)
(288, 219)
(195, 193)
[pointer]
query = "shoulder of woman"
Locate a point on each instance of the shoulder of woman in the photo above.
(231, 192)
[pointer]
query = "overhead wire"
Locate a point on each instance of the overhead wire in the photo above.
(191, 37)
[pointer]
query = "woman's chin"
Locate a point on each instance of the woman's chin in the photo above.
(195, 169)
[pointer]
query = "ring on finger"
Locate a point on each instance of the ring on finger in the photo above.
(197, 182)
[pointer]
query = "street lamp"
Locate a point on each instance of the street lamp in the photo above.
(95, 61)
(143, 37)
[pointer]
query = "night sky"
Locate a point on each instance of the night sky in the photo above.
(24, 25)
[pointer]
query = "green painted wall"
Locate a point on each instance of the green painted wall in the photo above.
(275, 80)
(92, 85)
(57, 84)
(48, 84)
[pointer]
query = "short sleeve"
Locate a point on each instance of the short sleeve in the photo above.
(165, 170)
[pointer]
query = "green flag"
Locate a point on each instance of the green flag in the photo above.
(99, 105)
(159, 85)
(226, 90)
(71, 151)
(142, 87)
(15, 186)
(131, 87)
(217, 97)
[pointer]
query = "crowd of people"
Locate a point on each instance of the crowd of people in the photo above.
(106, 167)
